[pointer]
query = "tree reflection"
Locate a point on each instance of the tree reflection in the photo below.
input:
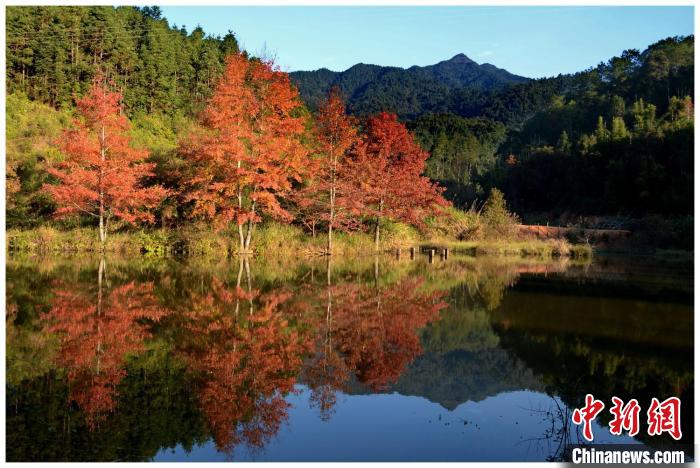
(369, 332)
(244, 363)
(97, 330)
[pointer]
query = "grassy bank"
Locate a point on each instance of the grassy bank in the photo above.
(270, 238)
(516, 247)
(202, 240)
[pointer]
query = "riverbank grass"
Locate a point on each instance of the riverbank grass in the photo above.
(270, 238)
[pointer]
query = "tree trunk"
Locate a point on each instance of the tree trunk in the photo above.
(103, 157)
(376, 226)
(103, 230)
(249, 234)
(331, 217)
(100, 275)
(249, 231)
(330, 238)
(241, 238)
(376, 236)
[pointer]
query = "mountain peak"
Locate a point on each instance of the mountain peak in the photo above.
(373, 88)
(461, 58)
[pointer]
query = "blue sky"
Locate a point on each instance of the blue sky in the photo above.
(529, 41)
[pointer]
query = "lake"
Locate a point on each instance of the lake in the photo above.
(376, 358)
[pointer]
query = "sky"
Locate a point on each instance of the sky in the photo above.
(528, 41)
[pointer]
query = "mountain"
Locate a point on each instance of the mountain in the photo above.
(409, 92)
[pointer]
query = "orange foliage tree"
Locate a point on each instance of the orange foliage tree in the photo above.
(252, 151)
(383, 178)
(103, 174)
(335, 134)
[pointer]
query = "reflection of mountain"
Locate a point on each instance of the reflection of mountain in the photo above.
(463, 360)
(456, 377)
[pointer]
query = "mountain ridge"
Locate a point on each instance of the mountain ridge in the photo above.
(406, 91)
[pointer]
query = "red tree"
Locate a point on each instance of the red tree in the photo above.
(335, 135)
(384, 175)
(102, 174)
(252, 151)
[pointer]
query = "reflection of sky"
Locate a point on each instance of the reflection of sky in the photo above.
(403, 428)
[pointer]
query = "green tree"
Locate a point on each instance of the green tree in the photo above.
(498, 220)
(601, 131)
(619, 129)
(563, 144)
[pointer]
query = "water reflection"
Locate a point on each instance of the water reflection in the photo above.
(97, 327)
(115, 359)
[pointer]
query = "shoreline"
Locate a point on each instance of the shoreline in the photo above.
(280, 240)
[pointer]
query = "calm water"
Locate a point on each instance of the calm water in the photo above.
(472, 359)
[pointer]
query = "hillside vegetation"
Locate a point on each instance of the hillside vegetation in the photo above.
(609, 146)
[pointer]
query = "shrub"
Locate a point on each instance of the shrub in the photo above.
(396, 235)
(498, 221)
(273, 237)
(456, 224)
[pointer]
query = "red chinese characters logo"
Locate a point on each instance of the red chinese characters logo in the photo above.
(661, 417)
(665, 417)
(624, 417)
(587, 414)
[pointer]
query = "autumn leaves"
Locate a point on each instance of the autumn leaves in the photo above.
(245, 163)
(102, 173)
(258, 155)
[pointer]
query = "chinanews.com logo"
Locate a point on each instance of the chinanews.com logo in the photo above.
(662, 417)
(614, 454)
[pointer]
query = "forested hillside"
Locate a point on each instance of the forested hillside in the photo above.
(616, 139)
(164, 74)
(53, 52)
(408, 92)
